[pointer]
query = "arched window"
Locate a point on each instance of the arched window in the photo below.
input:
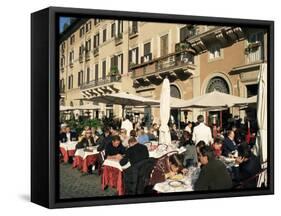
(175, 92)
(218, 84)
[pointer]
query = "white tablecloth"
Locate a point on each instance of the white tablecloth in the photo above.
(164, 149)
(68, 146)
(82, 153)
(188, 182)
(116, 164)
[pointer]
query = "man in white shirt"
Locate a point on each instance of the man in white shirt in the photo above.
(127, 125)
(202, 132)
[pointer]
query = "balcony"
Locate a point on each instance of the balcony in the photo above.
(146, 58)
(254, 53)
(224, 35)
(179, 65)
(133, 32)
(118, 39)
(96, 51)
(109, 84)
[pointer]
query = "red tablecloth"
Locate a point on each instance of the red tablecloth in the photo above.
(89, 160)
(77, 162)
(66, 154)
(113, 177)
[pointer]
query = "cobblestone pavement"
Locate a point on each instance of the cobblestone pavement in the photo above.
(75, 185)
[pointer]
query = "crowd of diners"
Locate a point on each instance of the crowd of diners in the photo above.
(206, 147)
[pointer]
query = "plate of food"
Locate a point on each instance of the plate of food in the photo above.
(176, 184)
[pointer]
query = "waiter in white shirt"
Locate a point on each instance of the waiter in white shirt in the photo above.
(127, 125)
(202, 132)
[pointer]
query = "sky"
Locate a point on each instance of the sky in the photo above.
(62, 21)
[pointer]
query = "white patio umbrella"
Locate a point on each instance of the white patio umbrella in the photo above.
(214, 99)
(164, 132)
(66, 108)
(124, 99)
(262, 122)
(89, 106)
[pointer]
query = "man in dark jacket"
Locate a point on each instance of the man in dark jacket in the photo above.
(135, 153)
(67, 135)
(213, 174)
(229, 144)
(104, 140)
(115, 150)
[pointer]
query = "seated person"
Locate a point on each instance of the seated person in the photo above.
(249, 164)
(135, 153)
(186, 139)
(175, 168)
(67, 135)
(213, 174)
(115, 150)
(217, 146)
(229, 144)
(151, 134)
(199, 145)
(142, 137)
(87, 140)
(104, 140)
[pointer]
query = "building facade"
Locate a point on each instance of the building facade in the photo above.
(107, 56)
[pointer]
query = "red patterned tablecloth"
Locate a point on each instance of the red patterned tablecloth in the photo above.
(113, 178)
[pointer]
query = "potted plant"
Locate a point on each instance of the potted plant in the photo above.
(114, 73)
(252, 47)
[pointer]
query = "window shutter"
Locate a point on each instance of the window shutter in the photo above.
(121, 64)
(137, 55)
(130, 56)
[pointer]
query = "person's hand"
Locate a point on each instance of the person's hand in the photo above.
(184, 171)
(119, 157)
(239, 160)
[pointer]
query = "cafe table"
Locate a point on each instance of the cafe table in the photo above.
(67, 150)
(113, 175)
(83, 158)
(183, 185)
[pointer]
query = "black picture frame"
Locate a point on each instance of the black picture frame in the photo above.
(45, 106)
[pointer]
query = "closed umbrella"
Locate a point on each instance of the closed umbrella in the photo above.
(262, 121)
(164, 132)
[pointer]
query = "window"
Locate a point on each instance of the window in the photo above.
(88, 26)
(62, 85)
(71, 56)
(62, 60)
(119, 27)
(80, 78)
(113, 29)
(120, 63)
(104, 69)
(81, 49)
(147, 55)
(72, 39)
(96, 40)
(88, 45)
(97, 21)
(117, 61)
(70, 82)
(186, 32)
(82, 31)
(164, 45)
(134, 56)
(88, 75)
(214, 51)
(104, 35)
(133, 27)
(96, 72)
(146, 48)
